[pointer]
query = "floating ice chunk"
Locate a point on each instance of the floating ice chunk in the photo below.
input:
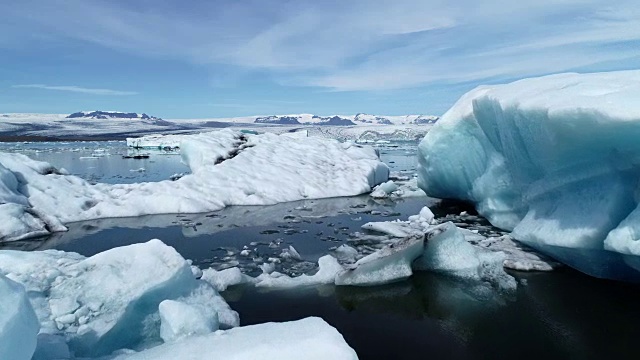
(378, 193)
(179, 320)
(291, 253)
(397, 229)
(222, 279)
(425, 217)
(391, 263)
(447, 251)
(18, 323)
(408, 189)
(310, 339)
(268, 267)
(385, 189)
(346, 254)
(399, 189)
(109, 301)
(328, 268)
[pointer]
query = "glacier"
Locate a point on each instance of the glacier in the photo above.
(555, 159)
(228, 168)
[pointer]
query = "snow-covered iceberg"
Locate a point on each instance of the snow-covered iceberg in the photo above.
(310, 338)
(228, 168)
(556, 159)
(111, 300)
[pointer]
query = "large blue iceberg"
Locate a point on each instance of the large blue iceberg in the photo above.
(555, 159)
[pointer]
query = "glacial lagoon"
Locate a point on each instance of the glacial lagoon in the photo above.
(562, 313)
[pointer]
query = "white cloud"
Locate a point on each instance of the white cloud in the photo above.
(77, 89)
(347, 45)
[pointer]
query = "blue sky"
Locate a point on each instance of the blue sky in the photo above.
(223, 58)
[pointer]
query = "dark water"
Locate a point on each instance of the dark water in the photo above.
(555, 315)
(313, 227)
(562, 314)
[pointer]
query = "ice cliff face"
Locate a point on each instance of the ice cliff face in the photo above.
(556, 159)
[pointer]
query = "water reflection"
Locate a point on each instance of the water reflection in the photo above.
(599, 263)
(561, 314)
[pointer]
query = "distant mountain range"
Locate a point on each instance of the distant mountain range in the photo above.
(335, 120)
(117, 124)
(103, 115)
(292, 119)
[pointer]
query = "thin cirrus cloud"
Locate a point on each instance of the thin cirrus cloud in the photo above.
(76, 89)
(358, 45)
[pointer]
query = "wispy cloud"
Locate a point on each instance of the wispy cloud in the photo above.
(77, 89)
(347, 45)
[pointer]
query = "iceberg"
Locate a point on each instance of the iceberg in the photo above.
(310, 338)
(18, 322)
(228, 168)
(110, 300)
(555, 159)
(447, 251)
(389, 264)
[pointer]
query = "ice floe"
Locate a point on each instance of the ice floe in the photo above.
(391, 263)
(396, 189)
(228, 168)
(398, 248)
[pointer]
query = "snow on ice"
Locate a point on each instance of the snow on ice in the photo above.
(310, 338)
(228, 168)
(555, 158)
(110, 301)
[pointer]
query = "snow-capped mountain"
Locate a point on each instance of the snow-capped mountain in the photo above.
(116, 124)
(333, 120)
(103, 115)
(276, 119)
